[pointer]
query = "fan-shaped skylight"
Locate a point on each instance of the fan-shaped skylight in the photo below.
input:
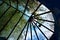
(25, 20)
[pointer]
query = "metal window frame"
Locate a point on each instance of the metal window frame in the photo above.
(29, 23)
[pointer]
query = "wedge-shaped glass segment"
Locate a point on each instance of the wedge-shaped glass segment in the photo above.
(47, 16)
(40, 35)
(32, 5)
(49, 25)
(42, 9)
(48, 35)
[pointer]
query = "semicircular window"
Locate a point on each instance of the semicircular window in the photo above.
(25, 20)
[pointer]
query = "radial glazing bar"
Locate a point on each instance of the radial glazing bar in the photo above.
(26, 31)
(36, 9)
(22, 31)
(41, 31)
(31, 31)
(43, 13)
(35, 31)
(45, 27)
(45, 20)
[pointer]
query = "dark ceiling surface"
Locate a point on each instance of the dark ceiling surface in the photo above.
(51, 3)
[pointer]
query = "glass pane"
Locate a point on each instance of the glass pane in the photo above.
(42, 9)
(3, 8)
(32, 5)
(11, 24)
(40, 35)
(22, 2)
(6, 17)
(47, 16)
(18, 29)
(46, 32)
(49, 25)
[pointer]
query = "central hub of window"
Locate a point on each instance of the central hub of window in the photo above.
(31, 19)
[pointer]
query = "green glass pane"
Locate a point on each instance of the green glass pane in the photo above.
(6, 17)
(3, 8)
(10, 25)
(18, 29)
